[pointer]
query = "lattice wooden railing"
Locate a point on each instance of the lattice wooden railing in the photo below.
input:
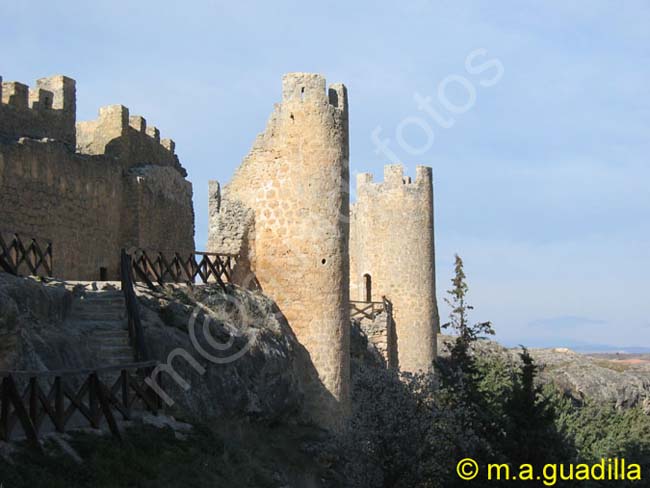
(366, 310)
(49, 397)
(25, 256)
(158, 267)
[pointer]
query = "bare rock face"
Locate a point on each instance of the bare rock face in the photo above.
(33, 332)
(580, 376)
(587, 377)
(233, 352)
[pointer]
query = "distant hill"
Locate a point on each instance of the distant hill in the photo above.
(586, 348)
(610, 349)
(619, 379)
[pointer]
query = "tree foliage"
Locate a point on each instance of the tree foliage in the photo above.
(411, 430)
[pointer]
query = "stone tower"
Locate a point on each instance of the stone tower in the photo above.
(392, 255)
(286, 213)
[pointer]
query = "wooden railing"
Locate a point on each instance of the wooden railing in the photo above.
(51, 396)
(136, 333)
(159, 268)
(366, 310)
(29, 256)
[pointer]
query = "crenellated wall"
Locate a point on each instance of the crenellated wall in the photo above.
(286, 209)
(46, 111)
(392, 246)
(127, 138)
(123, 186)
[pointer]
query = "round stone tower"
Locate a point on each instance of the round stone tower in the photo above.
(293, 186)
(392, 254)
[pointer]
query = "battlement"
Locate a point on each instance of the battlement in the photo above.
(114, 122)
(15, 94)
(394, 178)
(127, 137)
(312, 88)
(47, 110)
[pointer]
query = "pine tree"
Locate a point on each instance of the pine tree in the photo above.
(467, 334)
(533, 436)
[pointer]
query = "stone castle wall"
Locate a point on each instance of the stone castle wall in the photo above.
(95, 187)
(47, 110)
(48, 192)
(380, 332)
(392, 243)
(122, 187)
(157, 210)
(286, 209)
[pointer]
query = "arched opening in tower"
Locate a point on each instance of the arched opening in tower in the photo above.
(367, 280)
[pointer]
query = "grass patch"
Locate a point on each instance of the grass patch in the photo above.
(556, 366)
(620, 367)
(232, 454)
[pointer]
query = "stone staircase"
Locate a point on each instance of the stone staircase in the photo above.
(104, 312)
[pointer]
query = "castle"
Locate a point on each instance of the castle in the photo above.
(96, 187)
(287, 213)
(91, 188)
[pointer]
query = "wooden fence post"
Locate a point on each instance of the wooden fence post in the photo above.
(59, 407)
(10, 394)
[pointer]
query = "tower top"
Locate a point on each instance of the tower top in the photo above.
(394, 178)
(312, 88)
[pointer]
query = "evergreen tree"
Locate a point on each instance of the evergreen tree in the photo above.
(460, 358)
(532, 436)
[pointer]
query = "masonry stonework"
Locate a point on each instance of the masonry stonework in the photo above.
(286, 211)
(91, 188)
(47, 110)
(98, 186)
(392, 255)
(380, 331)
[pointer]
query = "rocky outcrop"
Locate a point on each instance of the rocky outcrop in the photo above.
(34, 333)
(580, 376)
(233, 350)
(588, 377)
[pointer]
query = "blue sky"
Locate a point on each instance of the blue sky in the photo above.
(541, 186)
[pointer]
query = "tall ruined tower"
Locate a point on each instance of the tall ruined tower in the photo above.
(392, 255)
(286, 212)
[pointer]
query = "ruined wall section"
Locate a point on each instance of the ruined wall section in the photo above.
(229, 222)
(46, 111)
(392, 241)
(380, 332)
(294, 180)
(231, 231)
